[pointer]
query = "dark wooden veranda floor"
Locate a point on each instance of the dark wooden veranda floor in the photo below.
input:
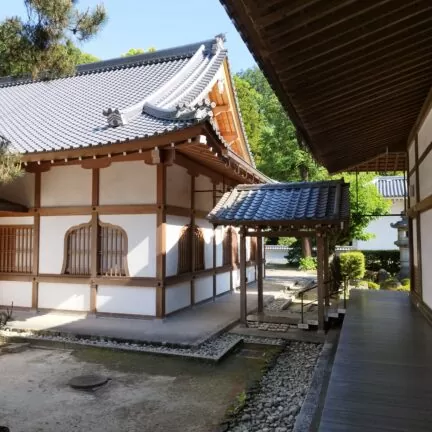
(382, 374)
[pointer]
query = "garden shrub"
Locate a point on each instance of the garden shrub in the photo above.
(391, 284)
(352, 265)
(372, 285)
(308, 263)
(388, 260)
(405, 282)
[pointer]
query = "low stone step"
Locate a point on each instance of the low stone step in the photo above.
(14, 348)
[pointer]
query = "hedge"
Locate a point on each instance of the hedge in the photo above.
(388, 260)
(352, 265)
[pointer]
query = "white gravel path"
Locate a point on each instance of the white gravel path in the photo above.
(275, 406)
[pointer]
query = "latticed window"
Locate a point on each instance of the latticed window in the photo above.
(230, 251)
(253, 248)
(16, 249)
(190, 247)
(77, 259)
(111, 253)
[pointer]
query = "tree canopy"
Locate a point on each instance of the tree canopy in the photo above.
(136, 51)
(278, 154)
(41, 44)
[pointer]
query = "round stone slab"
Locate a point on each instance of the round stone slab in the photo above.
(87, 381)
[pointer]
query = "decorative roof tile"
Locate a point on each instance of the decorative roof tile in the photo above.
(112, 101)
(272, 204)
(391, 186)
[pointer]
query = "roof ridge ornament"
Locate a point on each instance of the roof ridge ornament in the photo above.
(114, 117)
(218, 43)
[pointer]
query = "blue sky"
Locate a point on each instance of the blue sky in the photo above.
(158, 23)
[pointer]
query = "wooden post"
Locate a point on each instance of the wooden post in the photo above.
(94, 239)
(326, 271)
(214, 246)
(320, 288)
(160, 239)
(243, 295)
(191, 240)
(36, 237)
(259, 263)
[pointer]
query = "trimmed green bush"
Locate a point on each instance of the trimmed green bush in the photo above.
(388, 260)
(373, 285)
(405, 288)
(352, 265)
(405, 282)
(391, 284)
(308, 263)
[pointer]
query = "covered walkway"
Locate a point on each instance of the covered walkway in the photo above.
(382, 374)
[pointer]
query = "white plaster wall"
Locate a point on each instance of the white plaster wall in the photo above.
(203, 288)
(178, 186)
(411, 155)
(177, 297)
(222, 283)
(425, 176)
(219, 234)
(20, 191)
(207, 230)
(174, 225)
(141, 234)
(204, 200)
(52, 238)
(426, 253)
(66, 186)
(128, 183)
(74, 297)
(250, 274)
(276, 254)
(126, 300)
(385, 235)
(236, 278)
(18, 293)
(425, 133)
(17, 220)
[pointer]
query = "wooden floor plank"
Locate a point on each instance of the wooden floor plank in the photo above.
(382, 374)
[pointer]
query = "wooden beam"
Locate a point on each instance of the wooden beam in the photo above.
(161, 240)
(95, 186)
(96, 163)
(243, 293)
(260, 281)
(326, 271)
(220, 109)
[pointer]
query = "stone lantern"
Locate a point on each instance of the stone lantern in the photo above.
(403, 244)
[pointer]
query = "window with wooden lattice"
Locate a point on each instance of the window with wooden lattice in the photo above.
(190, 250)
(230, 249)
(16, 249)
(111, 250)
(253, 248)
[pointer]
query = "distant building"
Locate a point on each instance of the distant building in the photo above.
(394, 188)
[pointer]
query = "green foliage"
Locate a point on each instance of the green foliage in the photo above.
(10, 163)
(391, 284)
(137, 51)
(308, 263)
(286, 241)
(383, 259)
(372, 285)
(405, 282)
(281, 156)
(40, 45)
(404, 288)
(352, 265)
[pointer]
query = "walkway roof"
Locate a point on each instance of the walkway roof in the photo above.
(353, 75)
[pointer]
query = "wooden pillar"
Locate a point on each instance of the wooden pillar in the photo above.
(320, 288)
(243, 294)
(36, 237)
(191, 242)
(326, 271)
(419, 273)
(214, 246)
(260, 276)
(94, 239)
(160, 239)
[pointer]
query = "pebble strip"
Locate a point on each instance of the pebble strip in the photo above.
(277, 402)
(272, 327)
(213, 349)
(276, 305)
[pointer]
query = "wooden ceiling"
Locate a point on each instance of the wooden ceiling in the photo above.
(352, 74)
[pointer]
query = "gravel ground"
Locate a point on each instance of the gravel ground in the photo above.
(272, 327)
(275, 406)
(276, 305)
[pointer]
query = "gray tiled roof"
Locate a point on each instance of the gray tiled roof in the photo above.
(288, 202)
(112, 101)
(391, 186)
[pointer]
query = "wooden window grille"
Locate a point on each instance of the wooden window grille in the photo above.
(111, 253)
(16, 249)
(191, 239)
(253, 248)
(77, 257)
